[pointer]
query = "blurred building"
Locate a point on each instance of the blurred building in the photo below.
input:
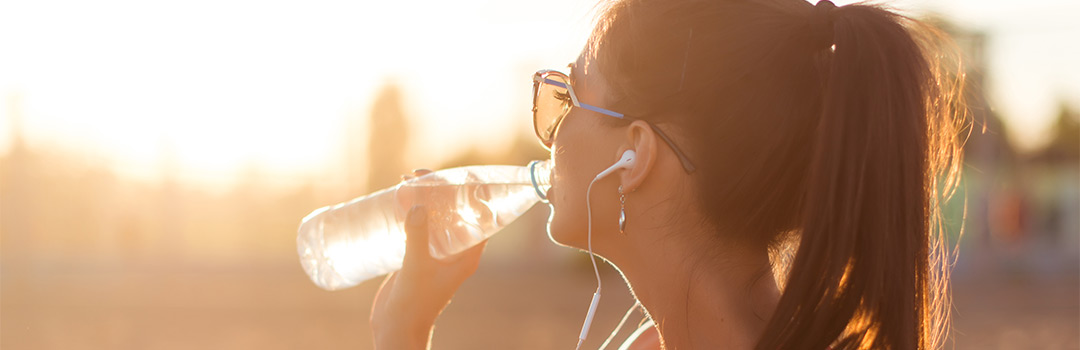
(1053, 188)
(1021, 208)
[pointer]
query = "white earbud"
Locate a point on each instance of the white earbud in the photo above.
(626, 161)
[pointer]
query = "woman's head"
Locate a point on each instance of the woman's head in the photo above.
(830, 125)
(592, 138)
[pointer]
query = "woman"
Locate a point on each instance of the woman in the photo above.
(790, 163)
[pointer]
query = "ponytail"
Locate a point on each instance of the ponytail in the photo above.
(862, 276)
(831, 128)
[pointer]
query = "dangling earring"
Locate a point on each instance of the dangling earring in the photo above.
(622, 211)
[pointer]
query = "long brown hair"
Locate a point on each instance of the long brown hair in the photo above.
(833, 131)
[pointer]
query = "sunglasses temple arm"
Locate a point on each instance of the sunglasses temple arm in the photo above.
(686, 164)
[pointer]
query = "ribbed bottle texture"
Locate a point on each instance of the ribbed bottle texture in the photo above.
(347, 243)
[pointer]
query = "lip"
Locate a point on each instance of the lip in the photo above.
(550, 195)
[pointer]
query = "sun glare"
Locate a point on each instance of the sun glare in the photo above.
(213, 87)
(217, 86)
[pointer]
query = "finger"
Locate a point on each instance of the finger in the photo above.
(387, 283)
(382, 296)
(468, 260)
(472, 255)
(478, 249)
(468, 256)
(421, 172)
(416, 232)
(384, 288)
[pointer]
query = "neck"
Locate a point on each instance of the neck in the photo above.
(720, 301)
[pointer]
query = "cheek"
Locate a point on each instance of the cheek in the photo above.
(567, 218)
(567, 223)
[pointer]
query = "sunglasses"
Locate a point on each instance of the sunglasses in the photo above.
(553, 96)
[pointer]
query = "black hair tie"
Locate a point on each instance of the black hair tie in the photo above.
(821, 24)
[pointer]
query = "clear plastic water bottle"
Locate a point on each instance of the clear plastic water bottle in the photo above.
(347, 243)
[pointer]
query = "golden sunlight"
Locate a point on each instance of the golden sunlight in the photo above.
(214, 87)
(157, 158)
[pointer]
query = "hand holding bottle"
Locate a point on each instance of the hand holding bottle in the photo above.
(410, 300)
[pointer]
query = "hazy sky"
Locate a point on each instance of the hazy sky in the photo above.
(218, 85)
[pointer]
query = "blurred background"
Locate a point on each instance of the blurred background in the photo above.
(156, 159)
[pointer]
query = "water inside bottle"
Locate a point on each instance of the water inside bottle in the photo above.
(341, 248)
(462, 215)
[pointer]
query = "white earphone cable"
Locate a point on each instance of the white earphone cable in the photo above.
(625, 161)
(592, 256)
(596, 296)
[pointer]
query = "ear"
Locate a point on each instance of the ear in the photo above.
(642, 139)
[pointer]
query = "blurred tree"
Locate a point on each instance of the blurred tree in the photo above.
(1064, 145)
(15, 224)
(389, 135)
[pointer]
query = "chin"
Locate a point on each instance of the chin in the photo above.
(563, 234)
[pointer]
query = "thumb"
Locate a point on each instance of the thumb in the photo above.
(416, 231)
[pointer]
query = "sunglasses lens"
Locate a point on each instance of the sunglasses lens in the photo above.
(551, 102)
